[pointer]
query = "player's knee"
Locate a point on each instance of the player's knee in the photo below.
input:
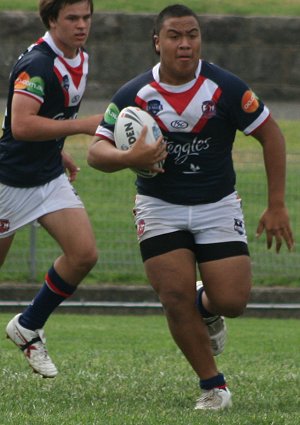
(86, 259)
(232, 303)
(234, 312)
(91, 259)
(176, 303)
(233, 308)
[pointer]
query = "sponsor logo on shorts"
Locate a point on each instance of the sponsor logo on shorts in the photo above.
(33, 85)
(4, 225)
(250, 102)
(111, 113)
(140, 227)
(239, 226)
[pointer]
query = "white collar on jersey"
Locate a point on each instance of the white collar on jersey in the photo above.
(176, 89)
(74, 62)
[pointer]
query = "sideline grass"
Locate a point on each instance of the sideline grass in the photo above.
(236, 7)
(126, 370)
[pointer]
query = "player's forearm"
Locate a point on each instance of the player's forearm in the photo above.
(275, 164)
(36, 128)
(276, 192)
(274, 151)
(105, 157)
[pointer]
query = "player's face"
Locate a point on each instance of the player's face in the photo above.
(179, 44)
(71, 28)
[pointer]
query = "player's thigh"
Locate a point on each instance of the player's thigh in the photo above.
(72, 229)
(173, 275)
(5, 244)
(227, 281)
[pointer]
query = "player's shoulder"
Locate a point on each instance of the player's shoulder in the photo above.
(38, 59)
(132, 87)
(231, 85)
(126, 96)
(218, 74)
(37, 53)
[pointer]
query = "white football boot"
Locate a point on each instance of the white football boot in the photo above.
(214, 399)
(216, 328)
(32, 343)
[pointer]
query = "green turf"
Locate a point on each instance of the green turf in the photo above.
(250, 7)
(126, 370)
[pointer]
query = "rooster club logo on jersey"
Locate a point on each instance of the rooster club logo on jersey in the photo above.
(208, 109)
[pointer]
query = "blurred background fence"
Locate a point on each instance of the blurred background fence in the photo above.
(109, 199)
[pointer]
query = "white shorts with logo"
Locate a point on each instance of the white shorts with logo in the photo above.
(217, 222)
(21, 206)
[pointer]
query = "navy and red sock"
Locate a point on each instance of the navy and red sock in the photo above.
(53, 292)
(217, 381)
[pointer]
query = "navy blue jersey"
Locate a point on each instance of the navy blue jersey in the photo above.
(199, 121)
(58, 85)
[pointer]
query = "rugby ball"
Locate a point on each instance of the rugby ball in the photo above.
(128, 127)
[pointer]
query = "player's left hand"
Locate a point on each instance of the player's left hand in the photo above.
(70, 166)
(275, 222)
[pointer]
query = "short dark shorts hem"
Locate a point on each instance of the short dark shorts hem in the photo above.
(168, 242)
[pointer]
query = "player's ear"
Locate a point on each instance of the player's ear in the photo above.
(51, 23)
(156, 43)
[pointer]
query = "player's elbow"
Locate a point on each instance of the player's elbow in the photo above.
(104, 157)
(19, 132)
(91, 159)
(95, 157)
(95, 161)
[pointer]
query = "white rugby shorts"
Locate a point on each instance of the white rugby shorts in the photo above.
(21, 206)
(217, 222)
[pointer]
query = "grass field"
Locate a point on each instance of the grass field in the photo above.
(126, 370)
(237, 7)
